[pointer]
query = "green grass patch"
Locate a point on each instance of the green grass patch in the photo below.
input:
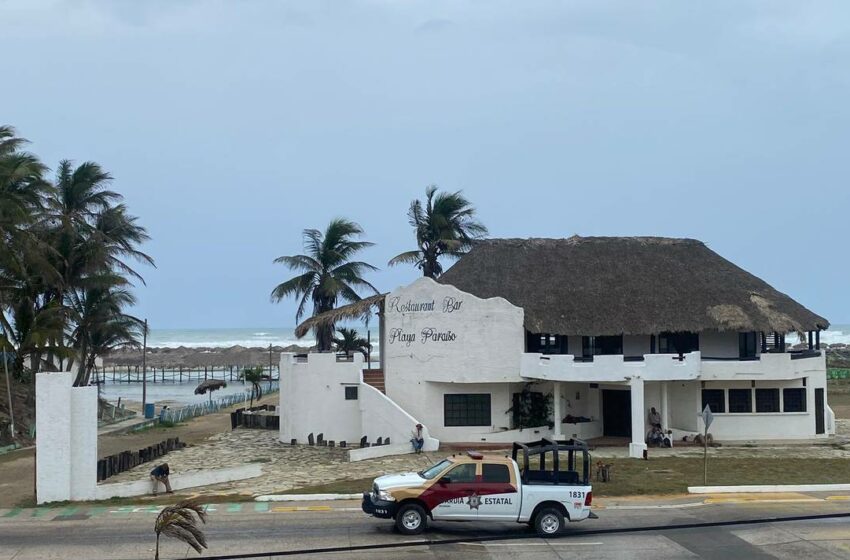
(672, 475)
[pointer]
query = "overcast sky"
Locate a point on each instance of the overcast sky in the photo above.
(232, 126)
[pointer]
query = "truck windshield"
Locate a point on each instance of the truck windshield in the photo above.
(431, 472)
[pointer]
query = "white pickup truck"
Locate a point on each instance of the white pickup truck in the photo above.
(474, 487)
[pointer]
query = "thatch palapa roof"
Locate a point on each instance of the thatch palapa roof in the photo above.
(625, 285)
(209, 385)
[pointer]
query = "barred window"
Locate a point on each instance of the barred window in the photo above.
(351, 393)
(767, 400)
(794, 399)
(466, 410)
(740, 400)
(715, 399)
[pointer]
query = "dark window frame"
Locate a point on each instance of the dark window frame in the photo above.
(801, 398)
(747, 344)
(467, 409)
(735, 404)
(678, 342)
(719, 406)
(767, 400)
(351, 392)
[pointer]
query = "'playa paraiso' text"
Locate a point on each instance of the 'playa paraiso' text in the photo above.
(427, 335)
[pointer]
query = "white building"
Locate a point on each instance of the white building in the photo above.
(576, 337)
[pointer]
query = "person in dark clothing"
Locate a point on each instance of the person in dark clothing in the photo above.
(160, 474)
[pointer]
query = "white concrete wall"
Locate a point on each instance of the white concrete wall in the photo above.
(716, 344)
(312, 398)
(381, 417)
(654, 367)
(766, 425)
(480, 340)
(633, 345)
(768, 366)
(685, 399)
(66, 438)
(83, 422)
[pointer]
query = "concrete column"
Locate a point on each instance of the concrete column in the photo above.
(53, 430)
(556, 409)
(638, 444)
(665, 414)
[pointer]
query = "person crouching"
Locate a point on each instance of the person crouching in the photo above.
(417, 439)
(160, 474)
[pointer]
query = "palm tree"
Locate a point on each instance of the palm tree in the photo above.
(180, 521)
(254, 376)
(328, 275)
(350, 341)
(444, 225)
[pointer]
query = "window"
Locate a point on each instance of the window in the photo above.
(546, 343)
(466, 410)
(462, 473)
(678, 342)
(794, 400)
(351, 393)
(601, 345)
(434, 470)
(495, 473)
(740, 400)
(715, 399)
(747, 345)
(767, 400)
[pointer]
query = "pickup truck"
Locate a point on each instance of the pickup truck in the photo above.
(478, 487)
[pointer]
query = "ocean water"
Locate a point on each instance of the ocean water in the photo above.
(225, 338)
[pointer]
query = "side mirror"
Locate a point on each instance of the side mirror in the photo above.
(445, 480)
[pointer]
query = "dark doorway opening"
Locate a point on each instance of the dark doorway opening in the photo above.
(819, 406)
(616, 413)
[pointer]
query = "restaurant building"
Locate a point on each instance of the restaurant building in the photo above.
(575, 337)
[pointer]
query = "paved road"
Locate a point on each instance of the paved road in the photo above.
(126, 532)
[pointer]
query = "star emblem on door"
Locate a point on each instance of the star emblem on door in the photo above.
(474, 501)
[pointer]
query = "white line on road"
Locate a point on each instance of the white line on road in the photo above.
(525, 544)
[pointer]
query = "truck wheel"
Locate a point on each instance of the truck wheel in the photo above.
(548, 522)
(411, 519)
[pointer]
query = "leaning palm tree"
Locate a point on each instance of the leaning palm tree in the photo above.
(350, 341)
(445, 225)
(327, 274)
(180, 521)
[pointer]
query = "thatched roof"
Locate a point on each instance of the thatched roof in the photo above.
(209, 385)
(356, 310)
(625, 285)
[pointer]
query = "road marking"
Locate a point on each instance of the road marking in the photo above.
(831, 498)
(525, 544)
(234, 508)
(289, 509)
(40, 512)
(261, 507)
(13, 512)
(757, 501)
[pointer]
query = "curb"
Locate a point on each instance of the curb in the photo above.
(768, 488)
(306, 497)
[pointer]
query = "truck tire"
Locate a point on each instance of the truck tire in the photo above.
(411, 519)
(548, 522)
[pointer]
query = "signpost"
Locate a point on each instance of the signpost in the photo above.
(707, 419)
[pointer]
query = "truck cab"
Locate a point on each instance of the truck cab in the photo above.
(545, 483)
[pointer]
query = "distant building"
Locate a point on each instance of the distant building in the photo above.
(587, 333)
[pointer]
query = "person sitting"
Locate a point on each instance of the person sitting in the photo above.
(655, 437)
(417, 439)
(654, 417)
(160, 474)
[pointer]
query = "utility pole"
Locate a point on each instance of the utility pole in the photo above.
(270, 366)
(8, 385)
(144, 367)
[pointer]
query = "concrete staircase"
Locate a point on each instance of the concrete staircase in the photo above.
(375, 378)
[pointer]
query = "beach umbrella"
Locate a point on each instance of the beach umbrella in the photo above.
(209, 385)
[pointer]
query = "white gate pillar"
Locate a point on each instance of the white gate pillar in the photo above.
(665, 408)
(556, 409)
(638, 444)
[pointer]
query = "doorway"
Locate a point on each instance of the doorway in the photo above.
(617, 413)
(819, 417)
